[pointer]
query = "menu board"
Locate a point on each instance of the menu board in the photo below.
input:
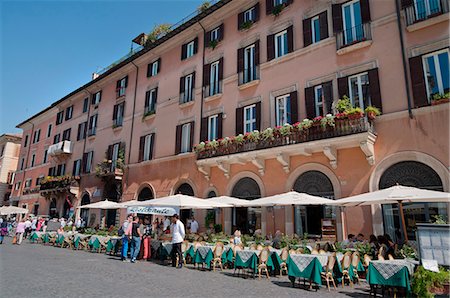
(434, 242)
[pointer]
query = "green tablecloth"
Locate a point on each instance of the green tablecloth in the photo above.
(251, 262)
(34, 237)
(94, 243)
(311, 272)
(46, 238)
(59, 239)
(400, 279)
(190, 252)
(206, 258)
(76, 242)
(228, 256)
(274, 261)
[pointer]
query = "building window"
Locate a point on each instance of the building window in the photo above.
(69, 113)
(56, 138)
(153, 68)
(52, 172)
(279, 2)
(214, 35)
(315, 27)
(150, 101)
(87, 161)
(249, 15)
(146, 147)
(96, 98)
(28, 183)
(318, 100)
(281, 44)
(49, 131)
(214, 79)
(85, 105)
(436, 72)
(59, 117)
(187, 87)
(249, 118)
(190, 49)
(118, 114)
(351, 13)
(283, 110)
(22, 163)
(33, 159)
(66, 134)
(121, 86)
(114, 151)
(81, 135)
(25, 142)
(76, 167)
(359, 90)
(38, 180)
(17, 186)
(44, 160)
(61, 170)
(36, 136)
(186, 138)
(92, 125)
(426, 8)
(249, 64)
(213, 125)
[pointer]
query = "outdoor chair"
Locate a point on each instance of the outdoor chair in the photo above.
(322, 252)
(293, 251)
(298, 251)
(390, 257)
(253, 246)
(346, 262)
(218, 250)
(284, 256)
(380, 258)
(328, 274)
(184, 248)
(259, 247)
(355, 261)
(314, 252)
(327, 247)
(367, 260)
(235, 250)
(263, 257)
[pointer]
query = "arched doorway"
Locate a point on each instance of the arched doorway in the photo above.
(112, 191)
(145, 194)
(84, 213)
(52, 211)
(415, 174)
(246, 219)
(66, 209)
(185, 189)
(211, 214)
(308, 219)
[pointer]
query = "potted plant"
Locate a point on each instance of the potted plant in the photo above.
(355, 113)
(440, 98)
(204, 6)
(372, 112)
(277, 9)
(246, 25)
(213, 43)
(328, 120)
(427, 283)
(344, 104)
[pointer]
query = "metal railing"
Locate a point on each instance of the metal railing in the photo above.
(118, 122)
(342, 128)
(186, 97)
(422, 10)
(120, 91)
(353, 35)
(214, 89)
(92, 131)
(248, 75)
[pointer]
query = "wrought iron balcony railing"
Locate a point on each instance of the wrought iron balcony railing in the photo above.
(421, 10)
(353, 35)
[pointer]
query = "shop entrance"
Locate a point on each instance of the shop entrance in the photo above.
(248, 220)
(185, 189)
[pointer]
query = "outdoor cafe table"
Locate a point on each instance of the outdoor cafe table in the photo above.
(36, 236)
(113, 243)
(248, 258)
(46, 236)
(79, 237)
(97, 241)
(394, 273)
(306, 266)
(205, 254)
(163, 248)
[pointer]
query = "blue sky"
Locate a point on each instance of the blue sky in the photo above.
(50, 48)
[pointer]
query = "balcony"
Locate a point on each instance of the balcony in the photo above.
(354, 38)
(60, 149)
(283, 142)
(110, 168)
(213, 91)
(187, 97)
(249, 77)
(51, 185)
(423, 13)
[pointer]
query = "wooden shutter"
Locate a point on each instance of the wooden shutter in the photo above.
(257, 58)
(407, 3)
(79, 130)
(221, 32)
(269, 7)
(149, 70)
(206, 74)
(374, 86)
(126, 81)
(307, 34)
(294, 107)
(183, 51)
(239, 120)
(204, 129)
(323, 23)
(109, 152)
(418, 82)
(159, 64)
(336, 12)
(182, 85)
(240, 60)
(365, 11)
(290, 37)
(257, 12)
(343, 87)
(115, 112)
(220, 69)
(310, 103)
(141, 148)
(191, 141)
(193, 84)
(152, 145)
(220, 125)
(84, 162)
(195, 45)
(147, 99)
(156, 95)
(93, 99)
(270, 47)
(240, 20)
(207, 38)
(258, 116)
(178, 139)
(328, 96)
(118, 85)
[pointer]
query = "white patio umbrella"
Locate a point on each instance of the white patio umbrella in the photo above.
(396, 195)
(234, 202)
(103, 205)
(287, 199)
(180, 201)
(7, 210)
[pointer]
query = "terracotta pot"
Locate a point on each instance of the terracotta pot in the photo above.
(371, 115)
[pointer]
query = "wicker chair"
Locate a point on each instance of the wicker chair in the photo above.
(236, 248)
(322, 252)
(367, 260)
(355, 262)
(263, 257)
(328, 274)
(184, 248)
(293, 251)
(314, 252)
(391, 257)
(253, 246)
(346, 261)
(218, 250)
(259, 247)
(284, 256)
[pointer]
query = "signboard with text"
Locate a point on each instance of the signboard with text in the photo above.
(164, 211)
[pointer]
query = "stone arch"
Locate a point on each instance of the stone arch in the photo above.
(181, 182)
(142, 187)
(246, 174)
(207, 192)
(242, 185)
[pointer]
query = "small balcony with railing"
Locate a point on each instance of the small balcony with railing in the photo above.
(58, 184)
(423, 13)
(213, 91)
(60, 149)
(324, 135)
(110, 168)
(118, 122)
(248, 77)
(354, 38)
(186, 97)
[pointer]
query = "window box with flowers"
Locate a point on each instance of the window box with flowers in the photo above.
(440, 98)
(58, 182)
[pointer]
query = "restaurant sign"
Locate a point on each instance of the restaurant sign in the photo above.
(165, 211)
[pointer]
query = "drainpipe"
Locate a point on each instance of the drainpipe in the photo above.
(203, 93)
(405, 67)
(25, 163)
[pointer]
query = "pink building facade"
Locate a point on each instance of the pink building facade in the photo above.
(237, 68)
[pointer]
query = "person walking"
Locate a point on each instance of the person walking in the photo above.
(194, 226)
(178, 234)
(20, 229)
(146, 240)
(3, 230)
(27, 228)
(136, 239)
(125, 237)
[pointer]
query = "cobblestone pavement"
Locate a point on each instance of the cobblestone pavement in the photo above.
(35, 270)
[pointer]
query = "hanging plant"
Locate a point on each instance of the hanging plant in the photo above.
(213, 43)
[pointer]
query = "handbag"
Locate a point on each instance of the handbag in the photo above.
(14, 240)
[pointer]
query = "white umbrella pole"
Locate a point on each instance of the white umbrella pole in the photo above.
(402, 217)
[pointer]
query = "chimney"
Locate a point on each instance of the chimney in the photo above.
(95, 75)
